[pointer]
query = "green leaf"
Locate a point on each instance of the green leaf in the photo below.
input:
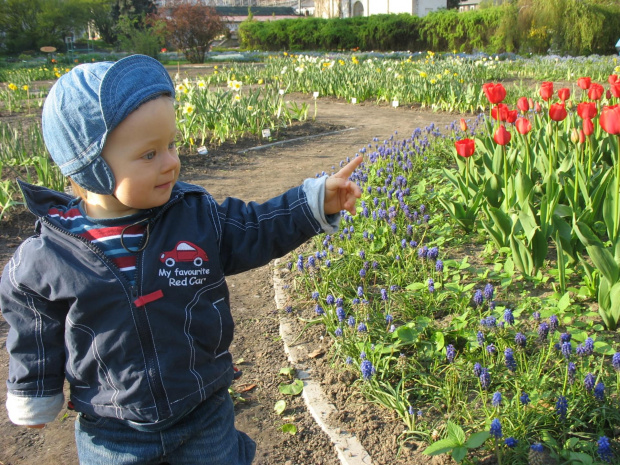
(287, 371)
(439, 339)
(564, 302)
(580, 458)
(292, 389)
(443, 446)
(406, 335)
(477, 439)
(459, 453)
(280, 407)
(289, 428)
(455, 432)
(415, 286)
(603, 348)
(600, 255)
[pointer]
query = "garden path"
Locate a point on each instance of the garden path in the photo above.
(257, 348)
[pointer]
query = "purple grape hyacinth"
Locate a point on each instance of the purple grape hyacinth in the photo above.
(478, 299)
(450, 353)
(367, 369)
(561, 407)
(604, 449)
(496, 429)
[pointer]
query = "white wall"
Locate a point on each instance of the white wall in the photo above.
(426, 6)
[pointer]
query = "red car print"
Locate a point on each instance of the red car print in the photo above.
(184, 252)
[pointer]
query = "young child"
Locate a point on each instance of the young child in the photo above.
(122, 291)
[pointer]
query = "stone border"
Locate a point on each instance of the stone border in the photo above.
(350, 451)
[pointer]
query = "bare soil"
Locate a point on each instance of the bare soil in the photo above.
(257, 175)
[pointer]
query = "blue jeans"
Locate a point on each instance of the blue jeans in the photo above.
(207, 435)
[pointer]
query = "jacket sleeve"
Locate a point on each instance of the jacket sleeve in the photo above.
(253, 234)
(35, 341)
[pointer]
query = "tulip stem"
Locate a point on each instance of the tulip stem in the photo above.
(467, 178)
(617, 203)
(505, 176)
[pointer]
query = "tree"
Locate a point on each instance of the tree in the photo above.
(101, 16)
(192, 27)
(30, 24)
(135, 10)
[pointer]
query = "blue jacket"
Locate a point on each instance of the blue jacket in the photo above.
(149, 352)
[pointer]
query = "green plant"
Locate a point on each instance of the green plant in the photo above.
(456, 443)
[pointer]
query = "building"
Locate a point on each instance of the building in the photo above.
(350, 8)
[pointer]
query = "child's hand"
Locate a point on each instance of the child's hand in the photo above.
(340, 193)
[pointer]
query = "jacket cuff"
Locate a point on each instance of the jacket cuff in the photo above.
(315, 193)
(29, 411)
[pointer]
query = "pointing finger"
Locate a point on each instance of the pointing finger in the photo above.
(347, 170)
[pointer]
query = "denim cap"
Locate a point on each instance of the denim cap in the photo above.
(87, 103)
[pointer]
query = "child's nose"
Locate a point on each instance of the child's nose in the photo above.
(171, 160)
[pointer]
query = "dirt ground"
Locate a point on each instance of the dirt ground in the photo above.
(256, 175)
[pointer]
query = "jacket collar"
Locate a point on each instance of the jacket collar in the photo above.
(40, 199)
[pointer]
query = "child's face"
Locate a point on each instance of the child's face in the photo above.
(142, 154)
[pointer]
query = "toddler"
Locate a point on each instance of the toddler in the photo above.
(122, 291)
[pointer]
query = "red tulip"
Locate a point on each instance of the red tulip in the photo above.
(596, 91)
(501, 136)
(582, 136)
(586, 110)
(523, 125)
(564, 94)
(523, 104)
(530, 102)
(610, 119)
(465, 147)
(607, 94)
(612, 79)
(615, 89)
(537, 108)
(588, 126)
(546, 90)
(557, 112)
(512, 116)
(500, 112)
(463, 124)
(494, 92)
(584, 82)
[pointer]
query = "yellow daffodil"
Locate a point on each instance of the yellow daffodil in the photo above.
(191, 141)
(341, 62)
(433, 81)
(180, 88)
(215, 67)
(201, 84)
(57, 74)
(188, 108)
(260, 81)
(237, 97)
(355, 60)
(423, 74)
(24, 87)
(250, 108)
(12, 87)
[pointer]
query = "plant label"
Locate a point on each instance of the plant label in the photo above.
(202, 150)
(266, 133)
(353, 100)
(395, 103)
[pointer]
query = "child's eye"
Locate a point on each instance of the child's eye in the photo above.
(172, 145)
(149, 156)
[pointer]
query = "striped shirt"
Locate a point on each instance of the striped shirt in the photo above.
(105, 234)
